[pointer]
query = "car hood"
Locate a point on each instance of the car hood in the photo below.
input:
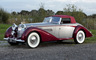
(37, 24)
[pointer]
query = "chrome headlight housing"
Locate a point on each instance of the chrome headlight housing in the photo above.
(14, 26)
(21, 27)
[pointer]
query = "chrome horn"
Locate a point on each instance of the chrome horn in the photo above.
(14, 26)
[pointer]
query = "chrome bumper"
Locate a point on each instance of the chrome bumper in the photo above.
(14, 40)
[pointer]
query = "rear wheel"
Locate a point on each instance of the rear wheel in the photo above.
(80, 37)
(33, 40)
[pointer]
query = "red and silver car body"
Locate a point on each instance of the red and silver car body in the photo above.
(56, 27)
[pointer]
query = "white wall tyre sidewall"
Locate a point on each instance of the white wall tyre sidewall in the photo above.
(83, 37)
(37, 40)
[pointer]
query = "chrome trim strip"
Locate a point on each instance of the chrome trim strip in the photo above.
(60, 21)
(18, 40)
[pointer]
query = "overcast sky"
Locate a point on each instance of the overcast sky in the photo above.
(88, 6)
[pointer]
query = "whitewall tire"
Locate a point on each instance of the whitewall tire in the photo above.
(80, 37)
(33, 40)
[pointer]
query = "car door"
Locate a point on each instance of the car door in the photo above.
(66, 28)
(52, 29)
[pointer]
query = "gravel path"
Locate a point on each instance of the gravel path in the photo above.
(49, 51)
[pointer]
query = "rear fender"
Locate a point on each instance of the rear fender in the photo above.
(45, 36)
(77, 28)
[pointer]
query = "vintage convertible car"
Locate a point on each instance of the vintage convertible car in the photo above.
(53, 28)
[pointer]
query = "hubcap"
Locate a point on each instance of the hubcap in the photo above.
(80, 36)
(33, 40)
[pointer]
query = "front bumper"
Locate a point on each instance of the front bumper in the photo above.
(14, 40)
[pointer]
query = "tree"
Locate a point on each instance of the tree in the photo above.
(3, 16)
(59, 13)
(24, 12)
(42, 5)
(50, 12)
(92, 16)
(13, 13)
(34, 13)
(72, 10)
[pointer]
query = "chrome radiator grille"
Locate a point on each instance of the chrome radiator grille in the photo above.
(19, 33)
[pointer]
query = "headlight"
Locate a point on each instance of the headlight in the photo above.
(21, 27)
(14, 26)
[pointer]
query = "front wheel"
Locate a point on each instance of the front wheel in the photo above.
(33, 40)
(80, 37)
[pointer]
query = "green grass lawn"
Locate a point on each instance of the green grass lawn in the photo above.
(93, 38)
(3, 28)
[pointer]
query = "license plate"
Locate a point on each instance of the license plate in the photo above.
(12, 40)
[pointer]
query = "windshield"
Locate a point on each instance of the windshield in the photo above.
(52, 20)
(47, 19)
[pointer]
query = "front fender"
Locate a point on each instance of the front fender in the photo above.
(8, 32)
(77, 28)
(45, 36)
